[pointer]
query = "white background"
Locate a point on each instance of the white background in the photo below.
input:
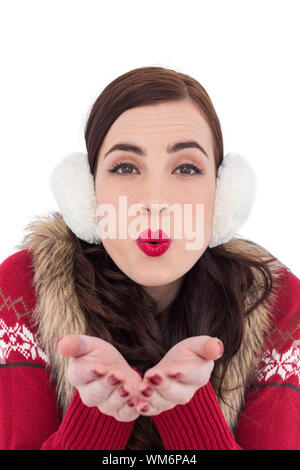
(57, 56)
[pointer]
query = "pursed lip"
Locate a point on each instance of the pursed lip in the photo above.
(148, 236)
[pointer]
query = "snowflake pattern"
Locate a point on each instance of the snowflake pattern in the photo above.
(285, 365)
(21, 339)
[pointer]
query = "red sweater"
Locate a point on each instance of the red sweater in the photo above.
(29, 418)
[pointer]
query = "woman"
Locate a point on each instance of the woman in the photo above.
(116, 342)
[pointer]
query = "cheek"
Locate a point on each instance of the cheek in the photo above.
(108, 191)
(204, 196)
(202, 215)
(207, 197)
(209, 204)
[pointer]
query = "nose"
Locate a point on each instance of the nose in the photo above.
(154, 208)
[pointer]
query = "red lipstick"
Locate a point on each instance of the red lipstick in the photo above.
(153, 243)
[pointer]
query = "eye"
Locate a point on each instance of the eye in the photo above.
(115, 168)
(191, 166)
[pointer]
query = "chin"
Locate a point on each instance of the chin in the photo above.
(152, 277)
(148, 281)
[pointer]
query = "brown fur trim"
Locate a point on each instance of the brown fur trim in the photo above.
(57, 312)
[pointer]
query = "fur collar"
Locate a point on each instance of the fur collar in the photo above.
(57, 312)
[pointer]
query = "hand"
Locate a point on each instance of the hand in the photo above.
(93, 363)
(185, 368)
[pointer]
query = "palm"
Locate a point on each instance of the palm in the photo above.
(184, 368)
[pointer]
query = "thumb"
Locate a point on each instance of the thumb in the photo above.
(77, 345)
(213, 349)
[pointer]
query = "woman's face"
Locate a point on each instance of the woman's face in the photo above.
(158, 177)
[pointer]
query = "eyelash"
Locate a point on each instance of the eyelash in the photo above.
(191, 165)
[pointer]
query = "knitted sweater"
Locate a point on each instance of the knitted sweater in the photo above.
(29, 416)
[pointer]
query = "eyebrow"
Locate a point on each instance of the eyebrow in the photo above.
(142, 152)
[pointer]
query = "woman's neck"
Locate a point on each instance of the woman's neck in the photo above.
(164, 295)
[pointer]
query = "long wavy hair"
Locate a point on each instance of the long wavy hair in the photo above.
(211, 300)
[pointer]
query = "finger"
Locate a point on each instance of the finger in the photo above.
(170, 391)
(153, 405)
(122, 408)
(79, 345)
(107, 395)
(126, 413)
(109, 400)
(213, 349)
(205, 347)
(196, 373)
(166, 396)
(83, 370)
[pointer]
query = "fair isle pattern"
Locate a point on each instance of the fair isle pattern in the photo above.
(285, 365)
(16, 306)
(20, 339)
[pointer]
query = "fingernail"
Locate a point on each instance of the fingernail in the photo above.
(221, 347)
(145, 408)
(147, 392)
(95, 374)
(112, 380)
(123, 392)
(58, 341)
(155, 379)
(130, 402)
(178, 375)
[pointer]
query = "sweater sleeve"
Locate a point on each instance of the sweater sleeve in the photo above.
(196, 425)
(29, 417)
(87, 428)
(269, 420)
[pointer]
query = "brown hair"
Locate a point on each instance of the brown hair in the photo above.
(215, 286)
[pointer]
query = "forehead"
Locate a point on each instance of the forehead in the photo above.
(180, 119)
